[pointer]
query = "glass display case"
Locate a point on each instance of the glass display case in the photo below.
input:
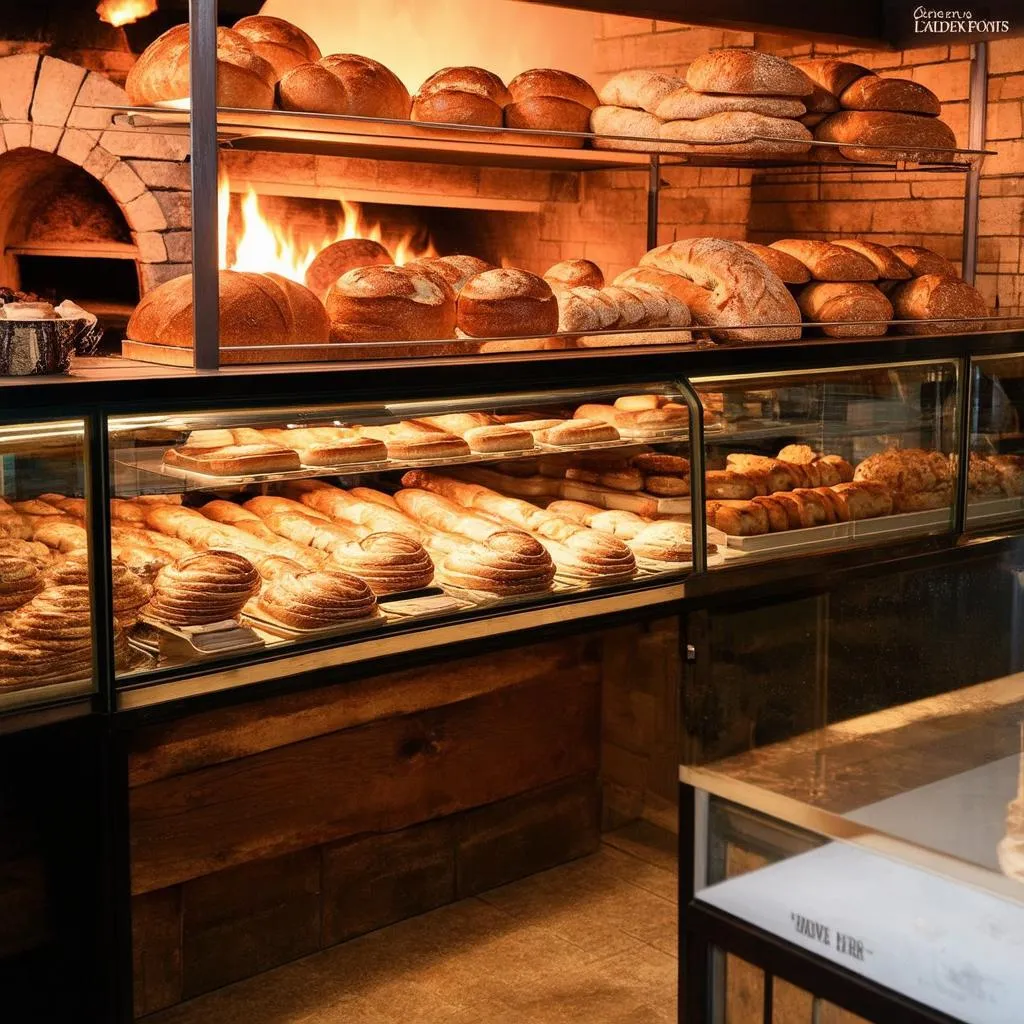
(46, 622)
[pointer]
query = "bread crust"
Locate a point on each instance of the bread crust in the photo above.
(788, 269)
(339, 258)
(932, 297)
(920, 261)
(833, 76)
(345, 84)
(686, 104)
(903, 136)
(638, 89)
(743, 72)
(872, 92)
(824, 302)
(624, 128)
(505, 302)
(737, 133)
(828, 262)
(575, 273)
(889, 266)
(277, 41)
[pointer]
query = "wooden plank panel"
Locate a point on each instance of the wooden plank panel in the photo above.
(225, 734)
(156, 950)
(248, 919)
(373, 881)
(527, 834)
(375, 778)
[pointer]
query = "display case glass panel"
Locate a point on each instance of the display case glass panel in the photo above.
(812, 460)
(255, 528)
(46, 636)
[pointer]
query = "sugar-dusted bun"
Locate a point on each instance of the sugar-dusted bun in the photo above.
(278, 41)
(833, 76)
(161, 74)
(505, 303)
(548, 100)
(345, 84)
(746, 73)
(932, 297)
(464, 95)
(825, 302)
(872, 92)
(828, 262)
(789, 269)
(390, 304)
(255, 309)
(339, 258)
(574, 274)
(686, 104)
(904, 136)
(889, 266)
(921, 261)
(456, 269)
(318, 600)
(738, 133)
(641, 90)
(732, 291)
(624, 128)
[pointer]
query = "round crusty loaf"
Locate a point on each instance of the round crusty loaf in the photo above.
(505, 302)
(738, 133)
(872, 92)
(889, 266)
(318, 600)
(255, 309)
(932, 297)
(902, 136)
(825, 302)
(466, 95)
(161, 74)
(339, 258)
(638, 89)
(741, 72)
(685, 104)
(921, 261)
(789, 269)
(383, 303)
(733, 291)
(278, 41)
(574, 274)
(548, 100)
(828, 262)
(834, 76)
(456, 269)
(624, 128)
(345, 84)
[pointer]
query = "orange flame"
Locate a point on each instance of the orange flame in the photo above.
(124, 12)
(264, 247)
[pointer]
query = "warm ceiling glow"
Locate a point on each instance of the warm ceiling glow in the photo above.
(124, 12)
(264, 247)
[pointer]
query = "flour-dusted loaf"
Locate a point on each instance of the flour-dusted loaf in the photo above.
(830, 303)
(505, 302)
(828, 262)
(346, 84)
(946, 299)
(743, 72)
(789, 269)
(888, 264)
(462, 95)
(546, 100)
(339, 258)
(686, 104)
(456, 269)
(733, 292)
(873, 92)
(624, 128)
(280, 42)
(574, 273)
(898, 136)
(738, 133)
(638, 89)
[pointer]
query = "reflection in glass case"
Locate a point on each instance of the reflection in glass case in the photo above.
(256, 528)
(812, 460)
(45, 601)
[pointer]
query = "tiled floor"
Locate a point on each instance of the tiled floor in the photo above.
(592, 941)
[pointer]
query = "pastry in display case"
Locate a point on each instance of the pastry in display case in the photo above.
(257, 527)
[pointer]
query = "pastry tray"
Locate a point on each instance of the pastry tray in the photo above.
(212, 640)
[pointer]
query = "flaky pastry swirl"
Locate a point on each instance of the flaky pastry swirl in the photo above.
(318, 600)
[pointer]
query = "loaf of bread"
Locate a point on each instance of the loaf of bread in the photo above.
(686, 104)
(737, 133)
(328, 446)
(277, 41)
(787, 268)
(889, 266)
(505, 302)
(161, 74)
(917, 479)
(728, 485)
(345, 84)
(828, 262)
(469, 96)
(732, 292)
(864, 500)
(737, 518)
(546, 100)
(338, 258)
(743, 72)
(318, 600)
(872, 92)
(456, 269)
(931, 297)
(261, 310)
(20, 580)
(895, 136)
(638, 423)
(570, 433)
(624, 128)
(481, 432)
(833, 76)
(638, 89)
(208, 587)
(234, 459)
(664, 541)
(833, 303)
(577, 273)
(410, 441)
(921, 261)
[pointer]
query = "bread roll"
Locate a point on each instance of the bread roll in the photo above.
(624, 128)
(864, 500)
(742, 72)
(889, 266)
(339, 258)
(549, 100)
(737, 518)
(345, 84)
(733, 290)
(640, 90)
(208, 587)
(825, 303)
(255, 309)
(834, 76)
(318, 600)
(685, 104)
(872, 92)
(788, 269)
(507, 302)
(574, 274)
(277, 41)
(462, 96)
(738, 134)
(381, 303)
(902, 136)
(233, 460)
(161, 74)
(932, 297)
(727, 484)
(921, 261)
(828, 262)
(456, 269)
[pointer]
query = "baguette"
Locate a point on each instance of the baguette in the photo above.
(778, 513)
(737, 518)
(639, 423)
(727, 484)
(233, 460)
(329, 446)
(408, 443)
(571, 432)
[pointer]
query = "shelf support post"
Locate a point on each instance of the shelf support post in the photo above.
(977, 102)
(653, 199)
(203, 149)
